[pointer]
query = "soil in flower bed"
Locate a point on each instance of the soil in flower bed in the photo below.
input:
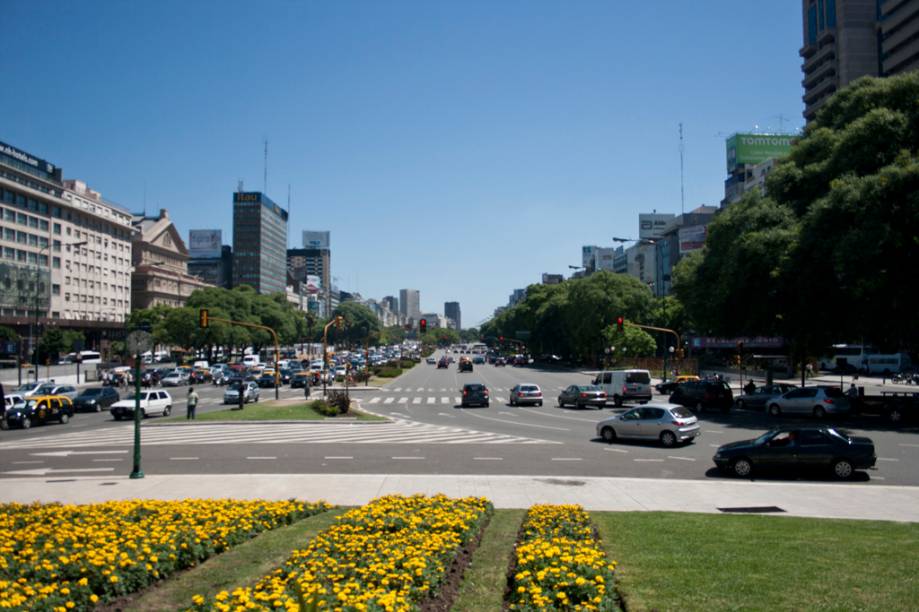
(449, 590)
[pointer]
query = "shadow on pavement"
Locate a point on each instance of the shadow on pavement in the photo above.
(775, 476)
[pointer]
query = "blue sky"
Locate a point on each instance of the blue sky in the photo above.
(460, 148)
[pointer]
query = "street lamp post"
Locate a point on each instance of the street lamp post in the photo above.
(138, 342)
(670, 351)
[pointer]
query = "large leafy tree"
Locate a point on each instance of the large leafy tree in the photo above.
(361, 325)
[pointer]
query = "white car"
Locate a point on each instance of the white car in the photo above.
(42, 387)
(12, 400)
(250, 394)
(66, 390)
(341, 371)
(151, 402)
(174, 379)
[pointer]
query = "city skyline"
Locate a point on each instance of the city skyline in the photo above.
(584, 126)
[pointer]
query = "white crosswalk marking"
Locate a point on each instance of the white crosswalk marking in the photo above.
(420, 389)
(431, 400)
(416, 400)
(403, 400)
(399, 431)
(445, 400)
(389, 400)
(376, 400)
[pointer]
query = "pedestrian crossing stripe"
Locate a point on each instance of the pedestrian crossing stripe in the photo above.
(399, 431)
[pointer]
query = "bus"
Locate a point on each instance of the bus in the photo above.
(85, 357)
(866, 359)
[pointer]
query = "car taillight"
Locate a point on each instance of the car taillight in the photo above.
(465, 392)
(827, 401)
(583, 395)
(625, 389)
(520, 394)
(680, 423)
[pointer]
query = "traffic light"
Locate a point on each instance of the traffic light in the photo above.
(501, 338)
(203, 318)
(423, 326)
(620, 324)
(740, 346)
(339, 321)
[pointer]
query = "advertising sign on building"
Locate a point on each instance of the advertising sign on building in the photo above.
(652, 225)
(316, 240)
(756, 148)
(692, 238)
(313, 283)
(204, 244)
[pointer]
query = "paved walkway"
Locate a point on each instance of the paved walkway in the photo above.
(855, 501)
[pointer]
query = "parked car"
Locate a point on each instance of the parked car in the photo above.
(668, 423)
(798, 449)
(703, 394)
(582, 396)
(818, 401)
(625, 385)
(95, 399)
(430, 360)
(250, 392)
(500, 362)
(465, 364)
(759, 399)
(151, 402)
(666, 388)
(526, 393)
(38, 410)
(33, 388)
(474, 394)
(66, 390)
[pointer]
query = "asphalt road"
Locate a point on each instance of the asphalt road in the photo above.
(429, 433)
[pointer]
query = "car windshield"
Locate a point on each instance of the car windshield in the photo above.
(234, 386)
(45, 389)
(588, 388)
(765, 437)
(30, 403)
(529, 388)
(91, 392)
(25, 388)
(474, 387)
(641, 378)
(833, 392)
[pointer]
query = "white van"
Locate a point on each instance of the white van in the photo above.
(203, 364)
(625, 385)
(251, 360)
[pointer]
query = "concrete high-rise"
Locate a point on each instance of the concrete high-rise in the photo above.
(899, 36)
(410, 303)
(452, 311)
(259, 242)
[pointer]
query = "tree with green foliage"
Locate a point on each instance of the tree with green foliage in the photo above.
(630, 342)
(440, 336)
(360, 324)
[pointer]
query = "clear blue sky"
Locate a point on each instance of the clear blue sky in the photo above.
(460, 148)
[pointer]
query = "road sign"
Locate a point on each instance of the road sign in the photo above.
(139, 342)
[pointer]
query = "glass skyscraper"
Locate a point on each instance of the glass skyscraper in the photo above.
(259, 242)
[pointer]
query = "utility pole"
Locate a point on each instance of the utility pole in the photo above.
(682, 191)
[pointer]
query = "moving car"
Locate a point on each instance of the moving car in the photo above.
(526, 393)
(581, 396)
(430, 361)
(625, 385)
(266, 381)
(32, 388)
(500, 362)
(702, 394)
(798, 449)
(151, 402)
(666, 388)
(176, 378)
(250, 392)
(761, 396)
(38, 410)
(95, 399)
(817, 401)
(475, 394)
(668, 423)
(465, 364)
(478, 359)
(300, 379)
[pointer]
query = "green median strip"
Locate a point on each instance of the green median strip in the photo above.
(485, 578)
(242, 565)
(272, 411)
(682, 561)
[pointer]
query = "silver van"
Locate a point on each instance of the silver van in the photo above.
(625, 385)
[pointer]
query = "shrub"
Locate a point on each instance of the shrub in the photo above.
(406, 364)
(339, 401)
(389, 372)
(361, 376)
(324, 408)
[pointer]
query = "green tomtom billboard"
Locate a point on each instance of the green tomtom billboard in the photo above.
(756, 148)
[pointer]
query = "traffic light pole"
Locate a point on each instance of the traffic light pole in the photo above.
(137, 472)
(679, 341)
(337, 321)
(204, 320)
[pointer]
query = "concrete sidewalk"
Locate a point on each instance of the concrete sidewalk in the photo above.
(827, 500)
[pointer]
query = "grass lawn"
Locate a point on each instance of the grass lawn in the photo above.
(679, 561)
(270, 411)
(485, 578)
(239, 566)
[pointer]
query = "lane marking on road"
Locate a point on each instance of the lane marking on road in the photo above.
(399, 414)
(517, 423)
(403, 400)
(508, 414)
(342, 457)
(488, 458)
(108, 460)
(616, 450)
(909, 445)
(432, 400)
(449, 416)
(559, 416)
(567, 459)
(183, 459)
(887, 459)
(714, 431)
(680, 458)
(261, 458)
(26, 462)
(715, 445)
(442, 389)
(649, 460)
(420, 389)
(397, 389)
(878, 478)
(416, 400)
(376, 400)
(408, 458)
(445, 400)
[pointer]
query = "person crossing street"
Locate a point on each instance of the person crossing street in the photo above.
(192, 405)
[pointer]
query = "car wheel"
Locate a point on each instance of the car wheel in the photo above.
(3, 424)
(26, 423)
(116, 416)
(539, 403)
(464, 405)
(167, 411)
(561, 404)
(608, 434)
(65, 418)
(842, 469)
(895, 416)
(739, 404)
(819, 412)
(487, 404)
(742, 467)
(774, 410)
(617, 401)
(580, 406)
(143, 413)
(668, 439)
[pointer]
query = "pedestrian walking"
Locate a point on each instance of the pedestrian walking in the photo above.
(192, 403)
(306, 388)
(750, 388)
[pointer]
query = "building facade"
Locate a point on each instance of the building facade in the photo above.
(899, 36)
(410, 304)
(160, 261)
(259, 242)
(65, 251)
(209, 259)
(750, 158)
(452, 311)
(684, 235)
(552, 279)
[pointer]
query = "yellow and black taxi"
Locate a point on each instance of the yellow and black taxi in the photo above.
(38, 410)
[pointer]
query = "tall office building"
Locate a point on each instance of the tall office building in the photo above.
(899, 36)
(209, 259)
(259, 242)
(410, 303)
(391, 302)
(452, 311)
(314, 259)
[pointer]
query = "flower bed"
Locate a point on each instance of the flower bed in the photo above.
(395, 553)
(56, 557)
(558, 563)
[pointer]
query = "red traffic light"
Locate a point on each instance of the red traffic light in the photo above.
(620, 324)
(423, 325)
(501, 338)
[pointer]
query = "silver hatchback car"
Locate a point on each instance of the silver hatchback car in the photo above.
(668, 423)
(817, 401)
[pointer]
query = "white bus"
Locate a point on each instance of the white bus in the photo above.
(85, 357)
(866, 359)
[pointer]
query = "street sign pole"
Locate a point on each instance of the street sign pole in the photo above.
(138, 342)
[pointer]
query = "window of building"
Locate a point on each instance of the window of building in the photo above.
(56, 262)
(9, 234)
(33, 222)
(812, 24)
(20, 255)
(33, 240)
(831, 13)
(43, 260)
(22, 237)
(9, 253)
(43, 225)
(66, 297)
(56, 246)
(57, 228)
(9, 215)
(55, 289)
(56, 314)
(22, 219)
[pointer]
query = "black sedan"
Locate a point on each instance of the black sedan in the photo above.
(798, 449)
(266, 381)
(300, 380)
(95, 399)
(761, 396)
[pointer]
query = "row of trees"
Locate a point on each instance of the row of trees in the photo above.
(830, 252)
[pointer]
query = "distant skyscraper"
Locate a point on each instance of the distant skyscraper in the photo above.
(452, 311)
(259, 242)
(392, 303)
(410, 303)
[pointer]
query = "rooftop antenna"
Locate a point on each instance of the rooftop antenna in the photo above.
(239, 186)
(265, 190)
(288, 214)
(782, 119)
(145, 198)
(682, 190)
